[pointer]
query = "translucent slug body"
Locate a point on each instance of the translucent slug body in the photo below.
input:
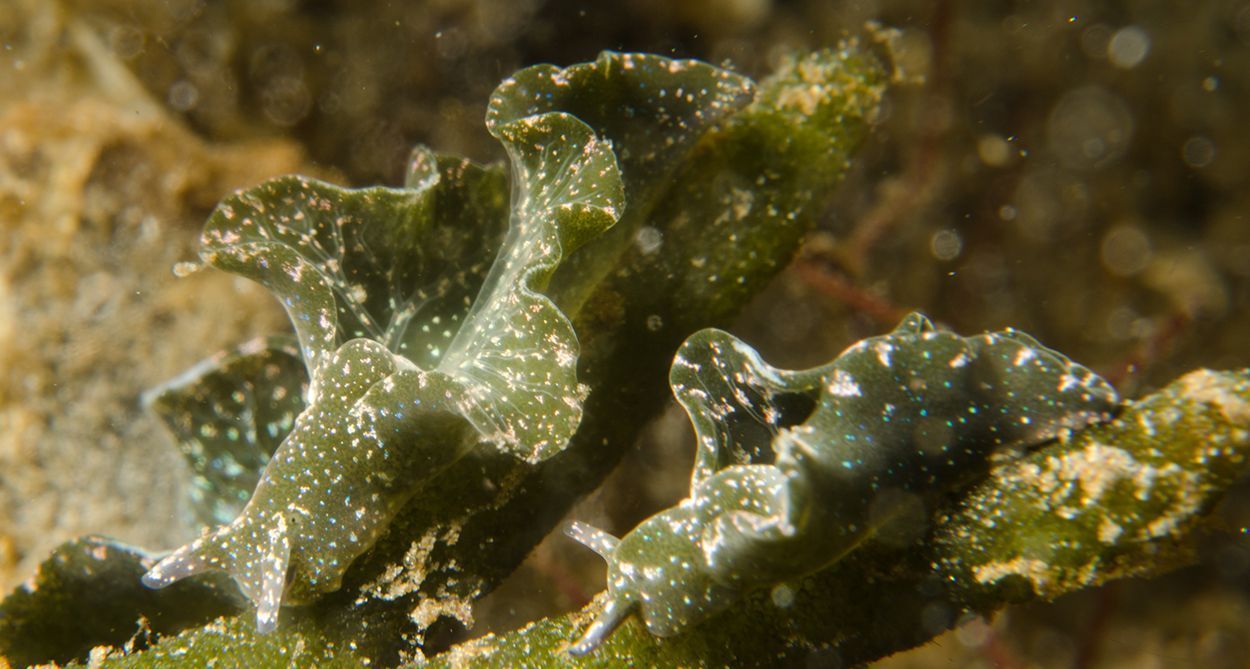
(331, 489)
(404, 379)
(793, 467)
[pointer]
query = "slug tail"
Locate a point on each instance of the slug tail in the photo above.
(273, 576)
(256, 554)
(186, 561)
(617, 609)
(593, 538)
(611, 618)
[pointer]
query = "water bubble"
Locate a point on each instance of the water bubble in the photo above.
(1241, 24)
(1122, 323)
(974, 633)
(286, 101)
(1094, 41)
(127, 41)
(1198, 151)
(900, 517)
(277, 72)
(824, 658)
(1238, 259)
(186, 268)
(1233, 561)
(648, 240)
(329, 103)
(1089, 128)
(741, 14)
(451, 43)
(993, 150)
(946, 244)
(1128, 47)
(935, 617)
(183, 96)
(783, 596)
(1126, 250)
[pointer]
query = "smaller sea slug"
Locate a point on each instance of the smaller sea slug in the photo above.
(792, 466)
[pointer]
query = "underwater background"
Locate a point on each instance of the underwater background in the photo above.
(1077, 170)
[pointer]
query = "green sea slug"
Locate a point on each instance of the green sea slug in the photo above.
(408, 373)
(794, 469)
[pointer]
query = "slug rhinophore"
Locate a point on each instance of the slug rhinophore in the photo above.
(795, 468)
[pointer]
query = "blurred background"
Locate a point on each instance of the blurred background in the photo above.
(1074, 169)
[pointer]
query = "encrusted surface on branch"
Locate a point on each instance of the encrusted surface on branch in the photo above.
(1116, 500)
